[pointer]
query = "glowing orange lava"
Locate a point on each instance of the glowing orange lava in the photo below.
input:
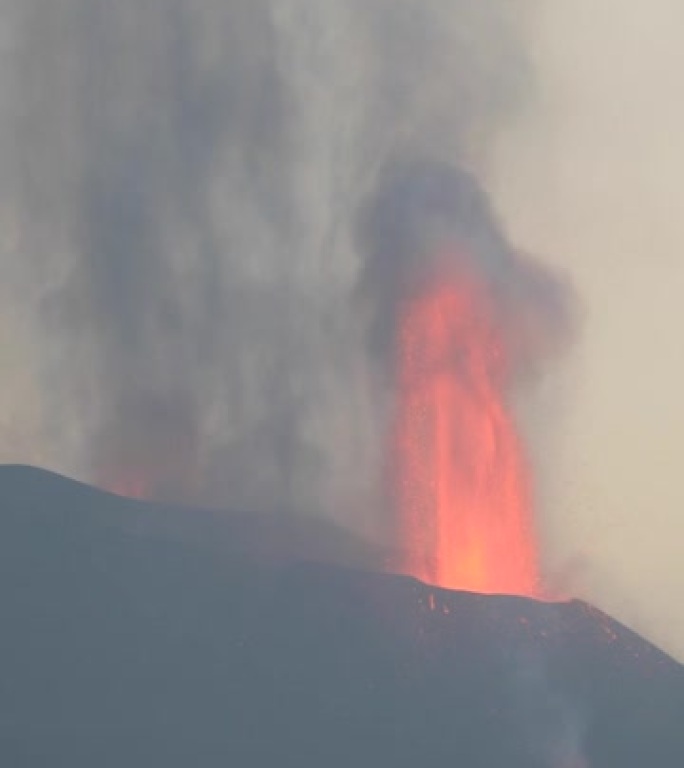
(462, 485)
(131, 484)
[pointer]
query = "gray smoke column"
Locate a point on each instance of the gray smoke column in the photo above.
(422, 207)
(180, 190)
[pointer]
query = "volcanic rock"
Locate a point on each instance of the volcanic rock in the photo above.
(141, 635)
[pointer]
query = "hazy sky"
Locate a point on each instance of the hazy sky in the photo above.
(181, 185)
(178, 190)
(591, 178)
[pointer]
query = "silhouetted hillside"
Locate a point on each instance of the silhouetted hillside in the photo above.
(141, 636)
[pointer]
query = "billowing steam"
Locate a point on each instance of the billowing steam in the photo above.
(179, 191)
(183, 182)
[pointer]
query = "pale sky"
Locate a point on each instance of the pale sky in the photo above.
(591, 177)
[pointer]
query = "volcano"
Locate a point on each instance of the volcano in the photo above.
(141, 635)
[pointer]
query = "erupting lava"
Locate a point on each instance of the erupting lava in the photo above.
(133, 484)
(462, 487)
(147, 449)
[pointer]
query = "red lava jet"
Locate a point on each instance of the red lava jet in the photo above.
(463, 495)
(461, 319)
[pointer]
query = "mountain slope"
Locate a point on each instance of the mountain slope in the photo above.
(141, 635)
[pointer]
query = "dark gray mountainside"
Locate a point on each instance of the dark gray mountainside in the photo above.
(141, 636)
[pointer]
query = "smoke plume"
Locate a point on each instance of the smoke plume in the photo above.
(182, 186)
(180, 191)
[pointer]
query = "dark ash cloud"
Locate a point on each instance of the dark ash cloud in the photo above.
(185, 180)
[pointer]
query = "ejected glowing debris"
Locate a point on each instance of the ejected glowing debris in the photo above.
(460, 320)
(462, 481)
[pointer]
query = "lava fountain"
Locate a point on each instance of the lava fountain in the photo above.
(463, 494)
(461, 320)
